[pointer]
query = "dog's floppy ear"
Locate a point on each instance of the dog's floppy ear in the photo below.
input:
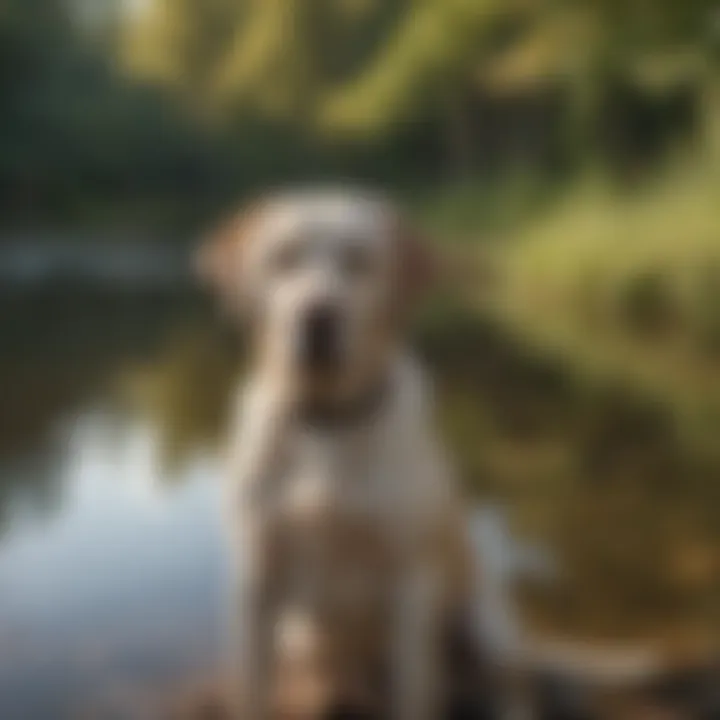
(219, 260)
(417, 266)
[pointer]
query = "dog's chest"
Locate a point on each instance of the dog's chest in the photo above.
(334, 527)
(340, 477)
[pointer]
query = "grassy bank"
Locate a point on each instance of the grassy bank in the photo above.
(585, 393)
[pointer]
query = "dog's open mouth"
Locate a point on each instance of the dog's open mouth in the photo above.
(319, 348)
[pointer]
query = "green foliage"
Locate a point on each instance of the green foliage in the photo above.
(182, 99)
(626, 287)
(429, 59)
(182, 43)
(73, 130)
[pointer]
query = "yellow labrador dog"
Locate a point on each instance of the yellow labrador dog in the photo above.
(351, 548)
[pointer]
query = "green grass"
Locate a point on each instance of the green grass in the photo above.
(626, 287)
(584, 391)
(475, 211)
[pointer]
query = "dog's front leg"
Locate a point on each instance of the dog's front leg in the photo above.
(255, 466)
(415, 662)
(252, 636)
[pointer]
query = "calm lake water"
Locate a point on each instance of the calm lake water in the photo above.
(111, 565)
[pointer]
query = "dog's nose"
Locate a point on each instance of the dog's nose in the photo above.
(321, 338)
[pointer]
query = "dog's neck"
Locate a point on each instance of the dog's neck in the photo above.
(332, 414)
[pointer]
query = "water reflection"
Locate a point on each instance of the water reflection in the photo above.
(122, 587)
(110, 560)
(111, 564)
(184, 390)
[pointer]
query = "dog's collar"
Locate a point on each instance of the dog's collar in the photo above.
(346, 414)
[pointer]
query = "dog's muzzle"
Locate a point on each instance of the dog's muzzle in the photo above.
(320, 349)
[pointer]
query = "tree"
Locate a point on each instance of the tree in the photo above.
(182, 43)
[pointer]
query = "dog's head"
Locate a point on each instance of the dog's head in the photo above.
(324, 280)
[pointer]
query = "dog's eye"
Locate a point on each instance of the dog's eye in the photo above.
(356, 262)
